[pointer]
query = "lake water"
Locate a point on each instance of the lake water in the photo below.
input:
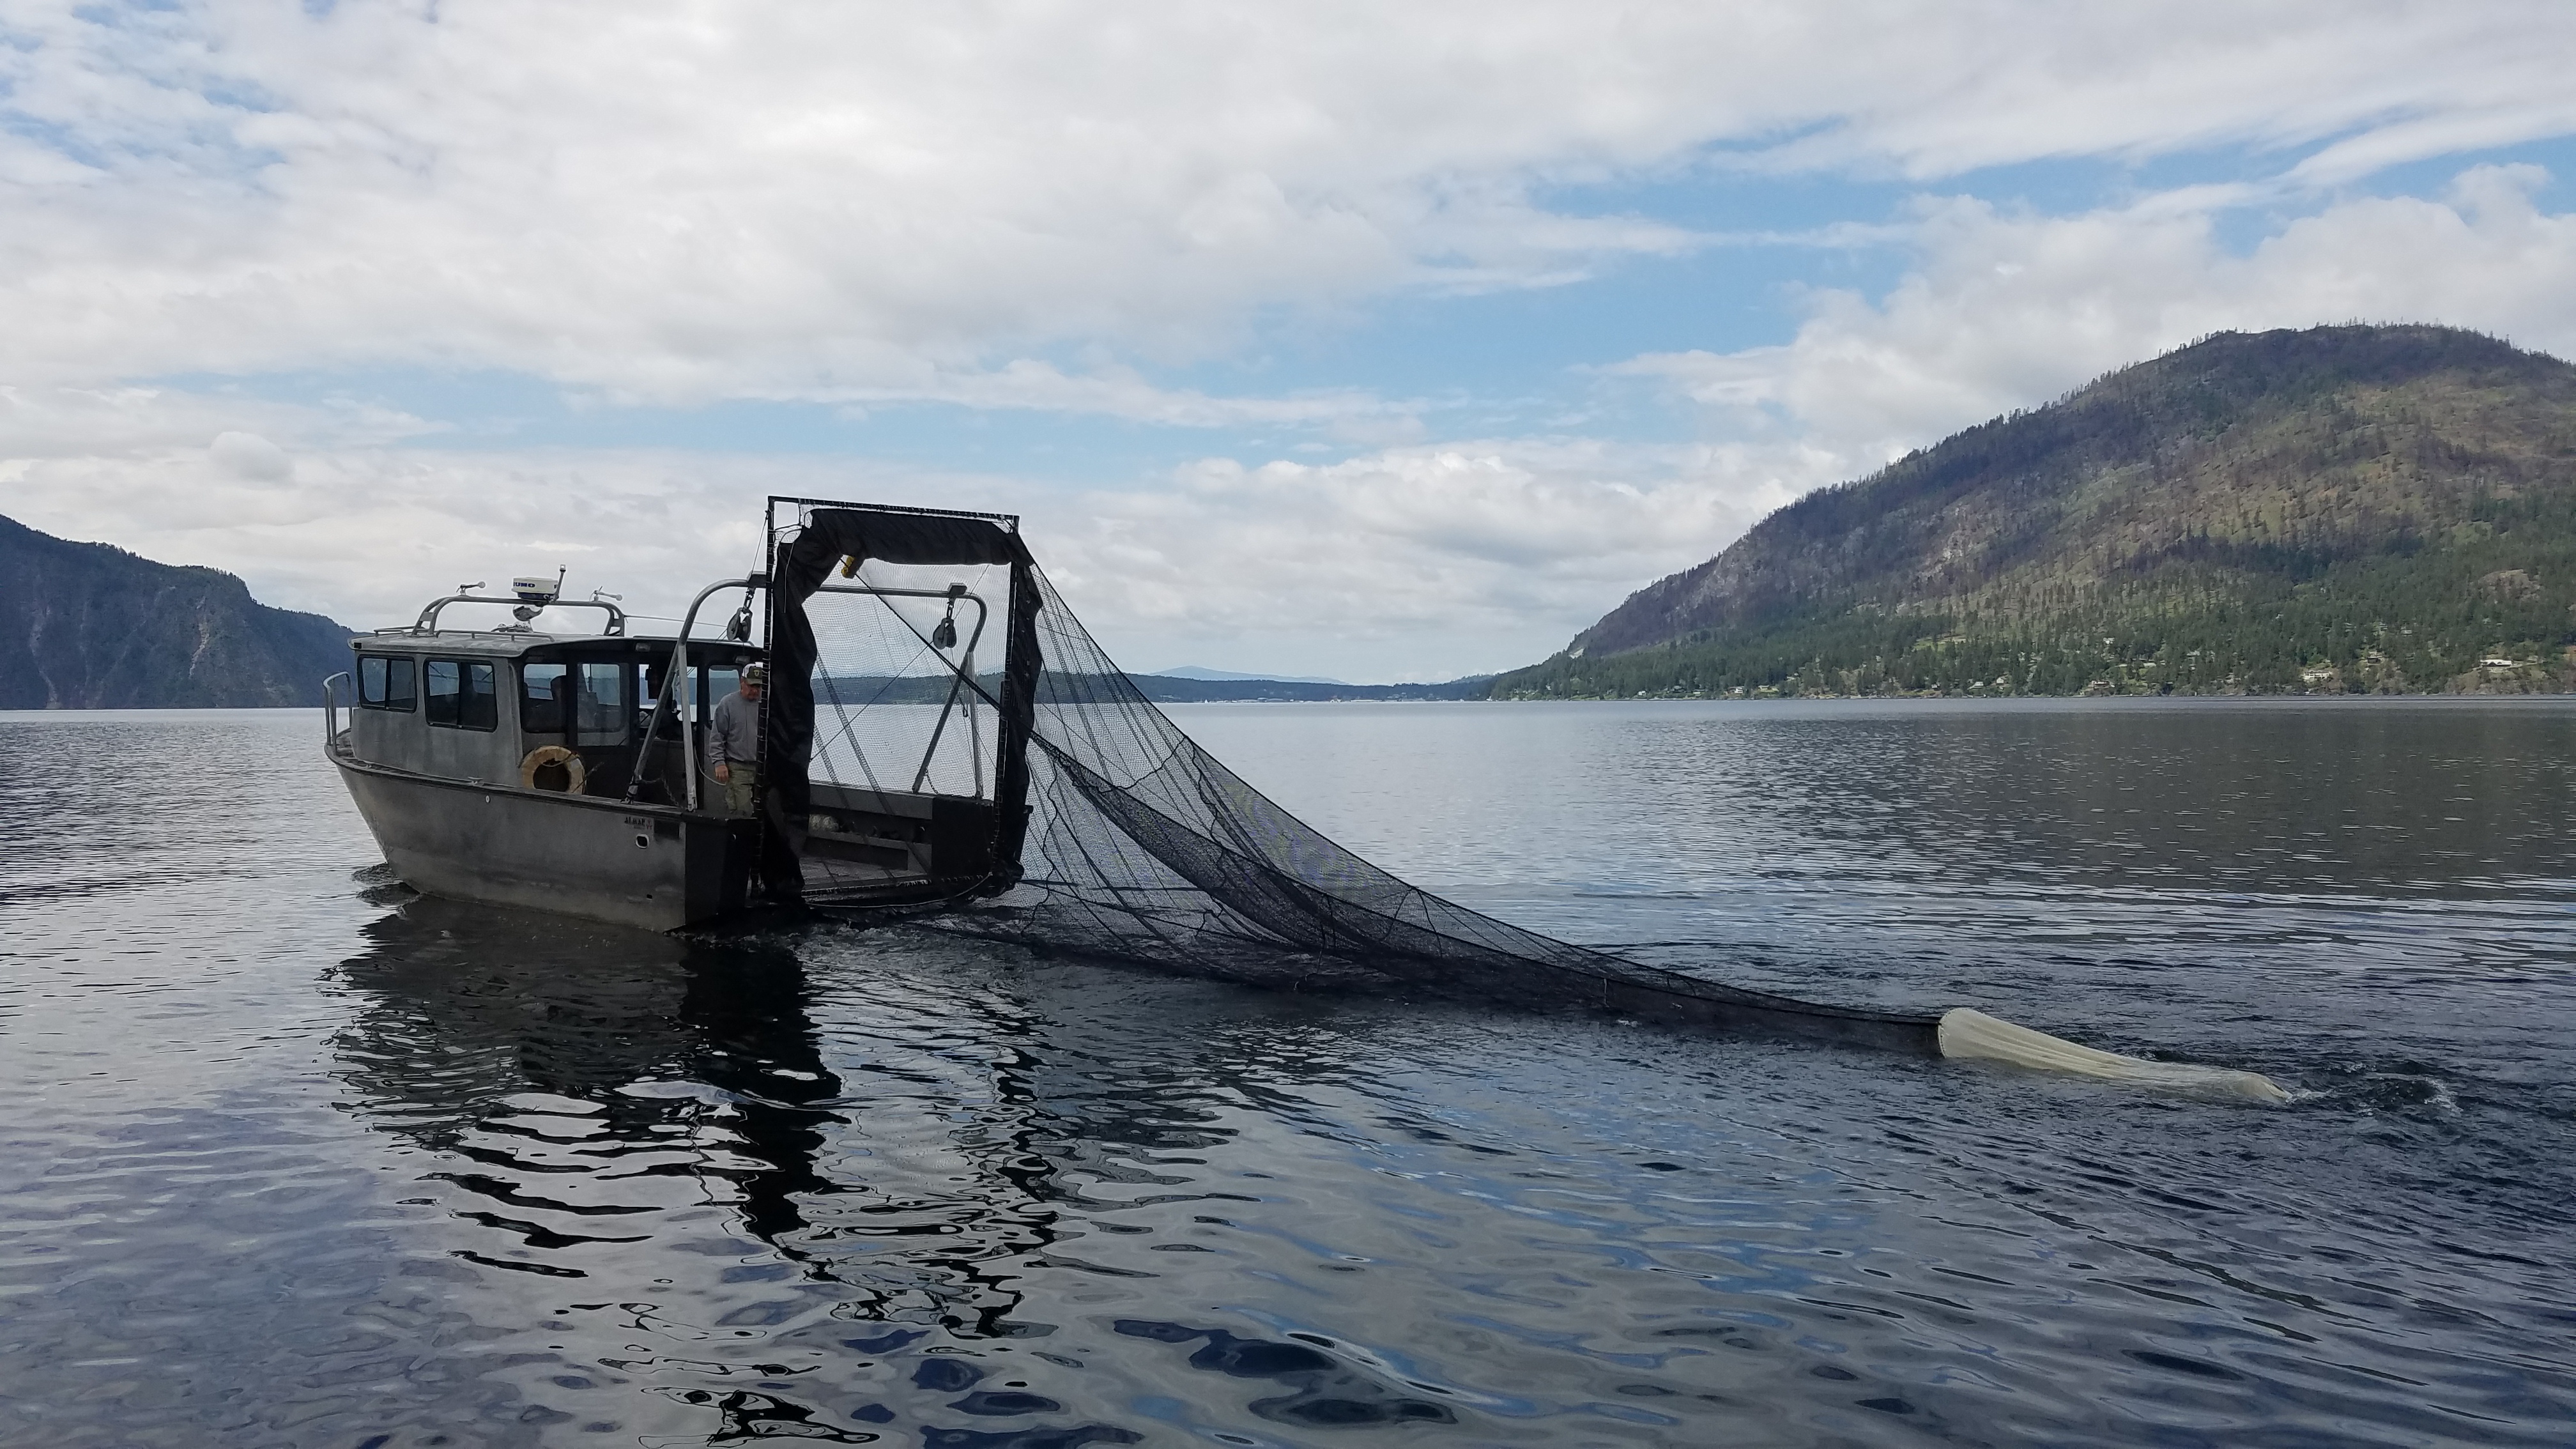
(291, 1160)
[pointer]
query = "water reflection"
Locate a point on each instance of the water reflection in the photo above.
(543, 1050)
(660, 1128)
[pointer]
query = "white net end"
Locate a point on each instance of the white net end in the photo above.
(1968, 1033)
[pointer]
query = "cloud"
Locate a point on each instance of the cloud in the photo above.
(250, 456)
(2005, 310)
(1409, 563)
(1414, 562)
(1109, 390)
(684, 202)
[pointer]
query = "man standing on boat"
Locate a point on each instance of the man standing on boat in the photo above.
(733, 743)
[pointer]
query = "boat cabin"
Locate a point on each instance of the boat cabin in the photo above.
(484, 706)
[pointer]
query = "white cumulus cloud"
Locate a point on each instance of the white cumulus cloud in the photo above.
(758, 198)
(1406, 563)
(1409, 563)
(2006, 310)
(250, 456)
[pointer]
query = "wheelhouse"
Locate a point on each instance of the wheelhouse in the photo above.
(568, 715)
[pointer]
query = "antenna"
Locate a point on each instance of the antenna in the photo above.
(535, 591)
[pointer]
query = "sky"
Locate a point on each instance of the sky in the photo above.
(1351, 340)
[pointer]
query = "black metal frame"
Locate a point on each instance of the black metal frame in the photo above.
(798, 566)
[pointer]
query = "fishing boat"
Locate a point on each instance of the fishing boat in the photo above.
(565, 769)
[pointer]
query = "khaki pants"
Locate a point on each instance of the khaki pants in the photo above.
(742, 792)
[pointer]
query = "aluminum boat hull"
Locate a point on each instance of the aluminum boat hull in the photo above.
(647, 866)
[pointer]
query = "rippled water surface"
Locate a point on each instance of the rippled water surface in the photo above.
(293, 1159)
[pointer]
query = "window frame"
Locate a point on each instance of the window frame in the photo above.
(408, 668)
(465, 673)
(619, 712)
(528, 701)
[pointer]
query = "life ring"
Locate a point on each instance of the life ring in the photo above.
(575, 776)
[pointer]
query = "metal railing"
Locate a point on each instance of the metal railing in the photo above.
(677, 678)
(334, 738)
(427, 623)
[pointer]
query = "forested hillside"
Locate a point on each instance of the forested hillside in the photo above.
(86, 626)
(2340, 509)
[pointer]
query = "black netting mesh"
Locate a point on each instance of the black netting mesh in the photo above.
(1143, 847)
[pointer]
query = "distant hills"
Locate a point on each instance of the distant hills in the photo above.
(1177, 689)
(863, 689)
(1201, 671)
(87, 626)
(2388, 509)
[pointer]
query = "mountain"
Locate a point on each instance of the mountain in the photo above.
(1201, 671)
(87, 626)
(1174, 688)
(2354, 508)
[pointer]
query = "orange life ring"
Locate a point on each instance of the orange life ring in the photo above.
(575, 776)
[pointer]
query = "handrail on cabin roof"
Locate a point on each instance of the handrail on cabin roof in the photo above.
(427, 623)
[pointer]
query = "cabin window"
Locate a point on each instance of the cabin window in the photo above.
(652, 678)
(461, 694)
(384, 683)
(714, 683)
(648, 692)
(600, 699)
(545, 697)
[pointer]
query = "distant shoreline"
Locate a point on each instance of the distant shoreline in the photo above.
(1936, 695)
(2111, 701)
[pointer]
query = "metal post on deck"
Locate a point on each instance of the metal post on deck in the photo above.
(679, 676)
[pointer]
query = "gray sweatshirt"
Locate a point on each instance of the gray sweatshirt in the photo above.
(733, 730)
